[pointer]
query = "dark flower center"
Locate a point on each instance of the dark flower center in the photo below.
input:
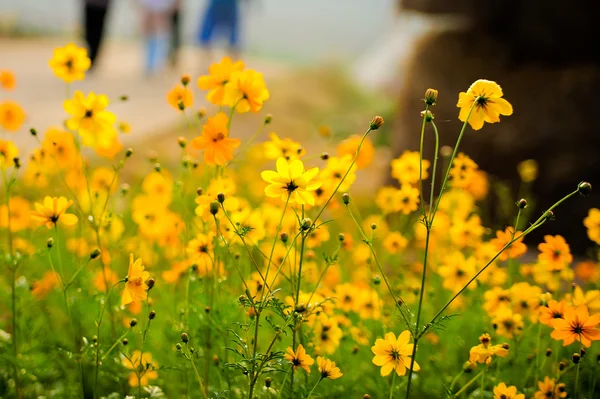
(88, 113)
(291, 187)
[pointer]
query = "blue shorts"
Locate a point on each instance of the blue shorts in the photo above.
(220, 18)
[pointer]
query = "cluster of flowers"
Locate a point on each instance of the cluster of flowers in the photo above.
(185, 235)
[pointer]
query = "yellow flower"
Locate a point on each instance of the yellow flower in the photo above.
(12, 116)
(200, 252)
(8, 152)
(246, 91)
(180, 98)
(7, 80)
(501, 391)
(52, 211)
(393, 354)
(487, 96)
(299, 358)
(457, 271)
(59, 146)
(219, 74)
(528, 170)
(286, 148)
(328, 369)
(291, 180)
(405, 168)
(555, 253)
(576, 325)
(135, 286)
(218, 147)
(349, 147)
(327, 335)
(69, 63)
(105, 279)
(517, 249)
(19, 214)
(592, 223)
(90, 118)
(394, 242)
(335, 170)
(483, 352)
(548, 389)
(42, 287)
(143, 366)
(507, 323)
(462, 171)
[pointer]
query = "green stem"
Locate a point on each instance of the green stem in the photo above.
(283, 383)
(393, 384)
(537, 355)
(468, 384)
(435, 159)
(313, 388)
(421, 159)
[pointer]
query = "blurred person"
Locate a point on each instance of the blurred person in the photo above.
(94, 17)
(156, 19)
(175, 40)
(221, 17)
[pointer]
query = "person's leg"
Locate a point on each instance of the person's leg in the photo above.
(175, 40)
(234, 32)
(94, 29)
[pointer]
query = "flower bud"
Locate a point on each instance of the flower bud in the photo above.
(346, 198)
(95, 253)
(305, 224)
(17, 162)
(152, 315)
(178, 346)
(341, 237)
(268, 382)
(124, 189)
(376, 280)
(33, 132)
(576, 358)
(151, 283)
(446, 151)
(582, 352)
(215, 360)
(325, 156)
(505, 346)
(562, 366)
(221, 197)
(584, 188)
(50, 242)
(366, 396)
(214, 207)
(185, 79)
(468, 367)
(128, 152)
(373, 226)
(522, 203)
(124, 98)
(133, 323)
(185, 338)
(125, 342)
(428, 115)
(181, 105)
(284, 237)
(548, 352)
(268, 119)
(431, 96)
(207, 309)
(157, 167)
(561, 387)
(376, 123)
(201, 112)
(182, 141)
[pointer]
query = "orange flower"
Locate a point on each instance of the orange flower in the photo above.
(219, 74)
(135, 287)
(105, 279)
(349, 147)
(517, 249)
(328, 369)
(180, 97)
(52, 211)
(246, 91)
(143, 368)
(554, 310)
(42, 287)
(8, 152)
(218, 147)
(577, 325)
(7, 80)
(12, 116)
(299, 358)
(555, 253)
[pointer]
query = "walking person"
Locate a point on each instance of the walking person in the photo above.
(156, 20)
(221, 17)
(94, 20)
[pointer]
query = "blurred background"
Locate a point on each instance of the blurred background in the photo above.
(331, 65)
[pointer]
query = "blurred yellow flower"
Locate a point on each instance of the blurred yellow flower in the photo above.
(286, 148)
(143, 366)
(489, 104)
(501, 391)
(291, 181)
(180, 97)
(8, 152)
(592, 224)
(405, 168)
(90, 118)
(246, 91)
(328, 369)
(349, 147)
(528, 170)
(12, 116)
(219, 75)
(52, 210)
(70, 63)
(20, 214)
(7, 80)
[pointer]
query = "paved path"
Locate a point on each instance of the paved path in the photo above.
(119, 73)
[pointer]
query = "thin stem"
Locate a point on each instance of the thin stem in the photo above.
(393, 384)
(284, 381)
(421, 158)
(435, 159)
(202, 389)
(537, 355)
(287, 201)
(468, 384)
(313, 388)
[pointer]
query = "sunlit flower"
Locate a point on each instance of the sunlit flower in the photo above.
(291, 181)
(507, 323)
(501, 391)
(487, 96)
(576, 325)
(286, 148)
(12, 116)
(19, 214)
(517, 248)
(219, 75)
(90, 118)
(405, 168)
(463, 170)
(394, 242)
(457, 271)
(69, 63)
(554, 310)
(328, 369)
(135, 286)
(52, 211)
(43, 287)
(143, 368)
(299, 358)
(484, 352)
(8, 152)
(180, 97)
(335, 170)
(528, 170)
(327, 335)
(555, 253)
(218, 147)
(246, 91)
(393, 354)
(104, 279)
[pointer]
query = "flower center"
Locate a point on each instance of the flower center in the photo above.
(291, 187)
(88, 113)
